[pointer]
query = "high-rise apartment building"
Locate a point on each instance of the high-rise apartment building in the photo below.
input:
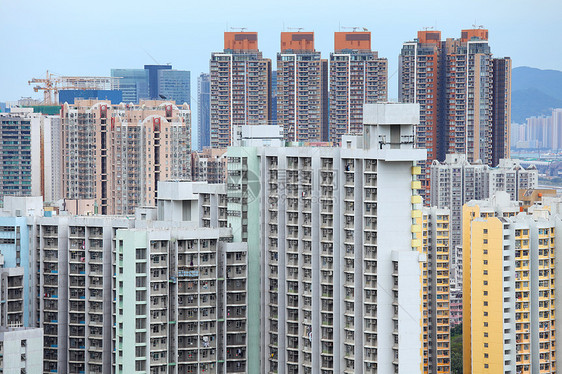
(51, 177)
(273, 101)
(461, 109)
(31, 150)
(203, 111)
(15, 251)
(357, 77)
(302, 89)
(166, 289)
(501, 109)
(325, 305)
(435, 224)
(509, 287)
(72, 259)
(116, 154)
(188, 311)
(20, 146)
(455, 182)
(12, 307)
(240, 87)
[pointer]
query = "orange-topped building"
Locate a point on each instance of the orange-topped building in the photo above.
(464, 96)
(243, 41)
(429, 36)
(360, 40)
(240, 87)
(474, 34)
(297, 41)
(302, 89)
(357, 77)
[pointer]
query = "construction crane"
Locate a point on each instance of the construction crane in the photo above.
(48, 86)
(53, 83)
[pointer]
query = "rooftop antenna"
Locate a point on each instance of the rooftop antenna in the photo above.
(299, 29)
(353, 28)
(241, 29)
(427, 28)
(478, 26)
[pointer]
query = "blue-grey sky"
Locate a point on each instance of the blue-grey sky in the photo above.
(91, 37)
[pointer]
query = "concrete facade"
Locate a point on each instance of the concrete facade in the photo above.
(21, 350)
(73, 259)
(190, 300)
(20, 133)
(203, 111)
(325, 306)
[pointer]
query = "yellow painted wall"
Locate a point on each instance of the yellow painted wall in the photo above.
(475, 283)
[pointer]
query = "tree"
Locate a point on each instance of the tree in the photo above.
(456, 349)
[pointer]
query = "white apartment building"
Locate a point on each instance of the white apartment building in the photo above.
(11, 296)
(341, 271)
(71, 257)
(180, 289)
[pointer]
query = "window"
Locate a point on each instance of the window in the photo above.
(141, 253)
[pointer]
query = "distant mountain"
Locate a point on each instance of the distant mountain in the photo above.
(534, 92)
(531, 102)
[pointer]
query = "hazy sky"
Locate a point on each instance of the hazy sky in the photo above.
(82, 37)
